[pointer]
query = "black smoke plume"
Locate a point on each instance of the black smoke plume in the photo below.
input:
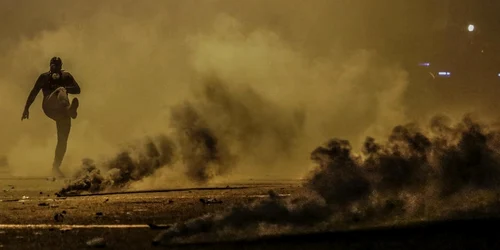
(202, 153)
(374, 183)
(126, 167)
(210, 135)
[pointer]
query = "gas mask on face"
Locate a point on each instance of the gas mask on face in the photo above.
(55, 71)
(55, 76)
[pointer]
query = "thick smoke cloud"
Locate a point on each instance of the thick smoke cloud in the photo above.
(134, 62)
(275, 210)
(128, 166)
(297, 75)
(203, 154)
(208, 137)
(435, 163)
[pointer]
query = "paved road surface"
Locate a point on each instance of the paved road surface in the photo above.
(28, 209)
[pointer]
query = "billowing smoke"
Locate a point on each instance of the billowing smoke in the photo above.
(254, 126)
(207, 137)
(275, 210)
(280, 77)
(128, 166)
(412, 169)
(203, 154)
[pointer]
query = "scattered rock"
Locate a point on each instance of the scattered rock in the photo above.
(210, 201)
(158, 227)
(96, 242)
(58, 217)
(65, 229)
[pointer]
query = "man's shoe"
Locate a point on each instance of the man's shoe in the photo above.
(73, 109)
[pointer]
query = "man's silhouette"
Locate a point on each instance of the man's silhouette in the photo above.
(55, 85)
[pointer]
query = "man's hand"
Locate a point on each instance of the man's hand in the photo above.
(26, 114)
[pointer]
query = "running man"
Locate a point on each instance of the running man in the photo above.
(56, 84)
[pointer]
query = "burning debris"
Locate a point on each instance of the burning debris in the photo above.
(384, 179)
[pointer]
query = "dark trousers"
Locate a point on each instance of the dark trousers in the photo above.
(56, 106)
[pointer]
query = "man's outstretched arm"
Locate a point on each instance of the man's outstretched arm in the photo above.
(32, 96)
(73, 87)
(34, 92)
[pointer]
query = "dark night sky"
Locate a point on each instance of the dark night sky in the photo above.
(393, 26)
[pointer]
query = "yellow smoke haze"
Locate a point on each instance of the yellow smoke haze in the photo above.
(288, 74)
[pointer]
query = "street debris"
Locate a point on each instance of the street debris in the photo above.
(58, 217)
(210, 201)
(96, 242)
(99, 215)
(158, 227)
(65, 229)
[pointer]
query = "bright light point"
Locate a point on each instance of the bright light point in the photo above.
(471, 28)
(425, 64)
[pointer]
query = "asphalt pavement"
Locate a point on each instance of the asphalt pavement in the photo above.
(33, 217)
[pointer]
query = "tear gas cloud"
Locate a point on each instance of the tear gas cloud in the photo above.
(415, 173)
(225, 88)
(266, 85)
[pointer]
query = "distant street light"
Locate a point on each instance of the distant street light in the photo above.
(471, 28)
